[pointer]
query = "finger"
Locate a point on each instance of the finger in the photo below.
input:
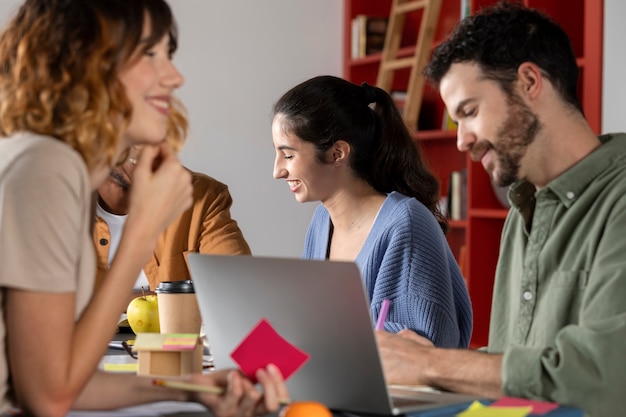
(146, 157)
(406, 333)
(166, 149)
(270, 392)
(234, 392)
(274, 389)
(411, 335)
(250, 396)
(226, 404)
(382, 335)
(166, 161)
(166, 156)
(282, 394)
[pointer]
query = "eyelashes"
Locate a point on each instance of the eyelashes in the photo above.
(120, 180)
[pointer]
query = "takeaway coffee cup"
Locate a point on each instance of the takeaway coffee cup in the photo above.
(178, 307)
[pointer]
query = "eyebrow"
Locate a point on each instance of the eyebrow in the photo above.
(285, 147)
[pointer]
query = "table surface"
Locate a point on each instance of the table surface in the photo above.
(169, 409)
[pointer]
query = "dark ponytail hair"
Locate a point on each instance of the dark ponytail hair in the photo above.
(325, 109)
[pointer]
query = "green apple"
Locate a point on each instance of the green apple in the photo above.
(143, 314)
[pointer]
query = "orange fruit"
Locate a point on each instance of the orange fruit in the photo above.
(306, 409)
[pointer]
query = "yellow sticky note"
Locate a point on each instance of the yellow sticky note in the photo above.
(175, 341)
(476, 409)
(169, 341)
(120, 367)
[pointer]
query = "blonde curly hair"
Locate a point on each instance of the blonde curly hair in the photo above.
(59, 67)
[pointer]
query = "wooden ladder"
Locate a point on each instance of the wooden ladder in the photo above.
(390, 62)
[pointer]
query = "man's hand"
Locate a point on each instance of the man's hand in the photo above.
(404, 356)
(410, 359)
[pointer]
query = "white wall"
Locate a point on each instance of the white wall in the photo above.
(614, 67)
(238, 57)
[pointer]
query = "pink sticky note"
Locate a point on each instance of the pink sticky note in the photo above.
(538, 407)
(262, 346)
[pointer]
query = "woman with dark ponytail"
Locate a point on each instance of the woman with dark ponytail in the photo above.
(348, 147)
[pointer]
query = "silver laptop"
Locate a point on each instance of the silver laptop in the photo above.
(319, 306)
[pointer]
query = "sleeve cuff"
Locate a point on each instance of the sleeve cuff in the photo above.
(521, 372)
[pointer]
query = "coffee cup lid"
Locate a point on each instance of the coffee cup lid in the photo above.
(175, 287)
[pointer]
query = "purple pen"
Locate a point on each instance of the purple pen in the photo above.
(384, 309)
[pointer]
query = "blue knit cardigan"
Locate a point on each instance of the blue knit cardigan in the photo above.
(407, 260)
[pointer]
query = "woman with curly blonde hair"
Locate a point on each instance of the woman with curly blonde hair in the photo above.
(82, 81)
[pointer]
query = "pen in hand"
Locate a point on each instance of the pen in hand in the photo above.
(189, 386)
(384, 309)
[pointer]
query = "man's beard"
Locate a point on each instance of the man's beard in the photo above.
(515, 135)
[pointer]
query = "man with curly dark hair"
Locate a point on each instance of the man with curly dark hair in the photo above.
(508, 77)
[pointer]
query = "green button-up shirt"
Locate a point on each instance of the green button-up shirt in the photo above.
(559, 302)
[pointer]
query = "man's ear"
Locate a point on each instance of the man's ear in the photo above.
(340, 151)
(530, 79)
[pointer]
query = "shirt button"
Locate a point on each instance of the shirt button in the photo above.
(104, 242)
(570, 195)
(527, 295)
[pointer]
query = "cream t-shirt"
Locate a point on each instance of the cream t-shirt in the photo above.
(45, 226)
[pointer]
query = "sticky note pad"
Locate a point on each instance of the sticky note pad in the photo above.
(175, 341)
(538, 407)
(120, 367)
(262, 346)
(168, 341)
(476, 409)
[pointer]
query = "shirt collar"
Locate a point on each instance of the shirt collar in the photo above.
(572, 183)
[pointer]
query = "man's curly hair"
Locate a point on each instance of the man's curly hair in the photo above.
(502, 37)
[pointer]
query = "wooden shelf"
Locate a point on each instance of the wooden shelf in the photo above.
(457, 224)
(489, 213)
(444, 135)
(479, 233)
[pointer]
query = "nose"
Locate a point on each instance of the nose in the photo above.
(279, 170)
(464, 137)
(172, 77)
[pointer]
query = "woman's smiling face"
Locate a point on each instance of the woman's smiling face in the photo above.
(149, 81)
(297, 163)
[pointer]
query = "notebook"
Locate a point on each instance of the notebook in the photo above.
(319, 306)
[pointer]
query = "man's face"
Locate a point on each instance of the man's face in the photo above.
(114, 192)
(495, 128)
(121, 177)
(123, 174)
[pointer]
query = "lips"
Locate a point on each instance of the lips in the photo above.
(293, 184)
(161, 104)
(480, 150)
(485, 158)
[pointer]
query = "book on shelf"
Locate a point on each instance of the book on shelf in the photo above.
(466, 8)
(368, 35)
(457, 195)
(447, 123)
